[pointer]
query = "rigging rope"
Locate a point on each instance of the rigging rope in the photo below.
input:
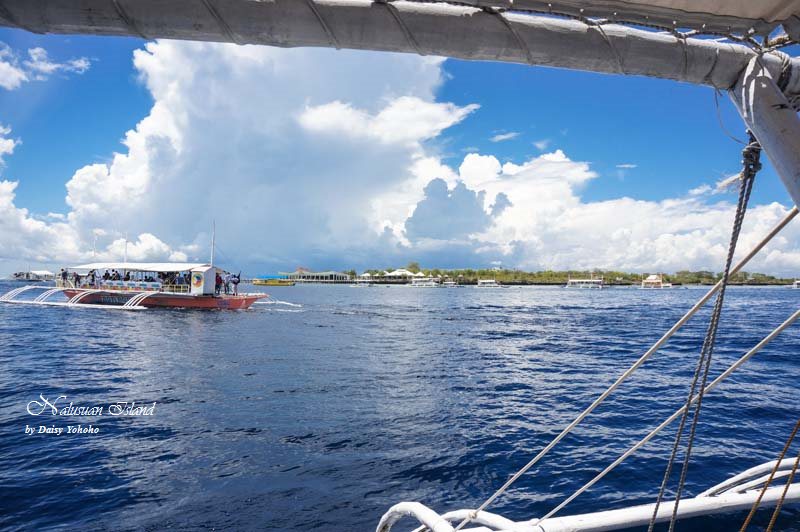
(641, 443)
(750, 166)
(793, 212)
(789, 480)
(757, 502)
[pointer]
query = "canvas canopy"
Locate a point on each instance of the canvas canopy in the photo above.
(722, 16)
(191, 19)
(141, 266)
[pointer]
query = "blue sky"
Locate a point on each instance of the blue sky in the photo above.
(642, 139)
(670, 131)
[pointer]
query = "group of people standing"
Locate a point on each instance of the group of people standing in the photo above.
(228, 282)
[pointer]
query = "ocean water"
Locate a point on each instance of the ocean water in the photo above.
(322, 413)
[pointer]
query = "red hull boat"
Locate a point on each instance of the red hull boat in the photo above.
(167, 300)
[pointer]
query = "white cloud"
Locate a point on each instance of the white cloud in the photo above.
(7, 144)
(290, 175)
(41, 67)
(38, 66)
(406, 119)
(319, 158)
(500, 137)
(542, 144)
(626, 166)
(548, 226)
(11, 74)
(701, 190)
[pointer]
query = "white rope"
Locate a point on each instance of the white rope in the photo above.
(733, 367)
(655, 347)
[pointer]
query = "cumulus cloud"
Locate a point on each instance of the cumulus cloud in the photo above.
(500, 137)
(447, 214)
(322, 158)
(548, 226)
(38, 66)
(288, 174)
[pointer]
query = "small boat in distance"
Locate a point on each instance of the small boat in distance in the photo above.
(488, 283)
(361, 282)
(795, 285)
(654, 282)
(590, 283)
(273, 282)
(424, 282)
(33, 276)
(450, 284)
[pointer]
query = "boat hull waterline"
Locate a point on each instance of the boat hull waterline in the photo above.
(166, 300)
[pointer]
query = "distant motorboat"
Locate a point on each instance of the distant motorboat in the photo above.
(450, 284)
(33, 276)
(424, 282)
(590, 283)
(488, 283)
(654, 282)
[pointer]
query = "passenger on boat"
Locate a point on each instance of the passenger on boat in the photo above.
(226, 280)
(106, 276)
(127, 276)
(180, 279)
(217, 284)
(92, 279)
(235, 279)
(64, 276)
(76, 279)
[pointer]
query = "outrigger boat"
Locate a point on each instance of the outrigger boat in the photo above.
(163, 285)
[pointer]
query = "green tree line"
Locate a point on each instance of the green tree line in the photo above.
(683, 277)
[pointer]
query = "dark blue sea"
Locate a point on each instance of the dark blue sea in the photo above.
(322, 413)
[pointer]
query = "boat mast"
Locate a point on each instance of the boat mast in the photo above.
(213, 239)
(125, 256)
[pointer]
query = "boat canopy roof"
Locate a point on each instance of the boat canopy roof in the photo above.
(41, 272)
(722, 16)
(141, 266)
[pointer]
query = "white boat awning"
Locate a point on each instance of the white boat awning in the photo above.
(724, 16)
(141, 266)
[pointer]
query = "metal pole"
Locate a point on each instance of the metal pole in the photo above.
(213, 239)
(125, 269)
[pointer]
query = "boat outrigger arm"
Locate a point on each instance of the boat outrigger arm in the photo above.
(730, 46)
(133, 303)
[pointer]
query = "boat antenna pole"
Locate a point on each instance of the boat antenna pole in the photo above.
(213, 239)
(125, 269)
